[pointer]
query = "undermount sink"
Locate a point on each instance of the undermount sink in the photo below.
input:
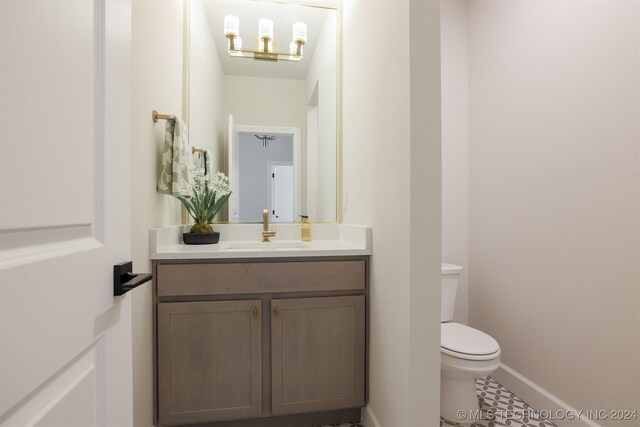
(264, 246)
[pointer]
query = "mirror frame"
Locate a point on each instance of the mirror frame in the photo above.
(186, 56)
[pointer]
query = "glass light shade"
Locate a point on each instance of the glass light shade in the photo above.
(265, 28)
(300, 32)
(231, 26)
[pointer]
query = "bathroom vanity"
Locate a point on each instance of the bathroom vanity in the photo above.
(258, 334)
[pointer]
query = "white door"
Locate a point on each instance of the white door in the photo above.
(65, 340)
(312, 162)
(282, 191)
(234, 183)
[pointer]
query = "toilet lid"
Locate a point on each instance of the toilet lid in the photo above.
(460, 341)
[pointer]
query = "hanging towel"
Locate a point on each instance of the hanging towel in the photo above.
(208, 163)
(176, 160)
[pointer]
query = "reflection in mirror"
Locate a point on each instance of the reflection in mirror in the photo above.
(265, 107)
(253, 148)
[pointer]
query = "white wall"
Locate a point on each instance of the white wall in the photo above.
(391, 173)
(207, 122)
(266, 101)
(365, 124)
(157, 85)
(555, 193)
(426, 213)
(455, 145)
(322, 73)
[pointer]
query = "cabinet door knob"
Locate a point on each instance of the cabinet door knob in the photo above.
(255, 313)
(277, 311)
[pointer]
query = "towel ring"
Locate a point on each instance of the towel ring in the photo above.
(155, 116)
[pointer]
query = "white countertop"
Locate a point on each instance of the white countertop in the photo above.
(243, 241)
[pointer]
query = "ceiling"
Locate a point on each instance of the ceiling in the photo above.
(283, 17)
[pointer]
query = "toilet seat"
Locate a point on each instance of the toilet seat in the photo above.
(467, 343)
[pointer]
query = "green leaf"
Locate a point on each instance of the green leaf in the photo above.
(219, 204)
(188, 204)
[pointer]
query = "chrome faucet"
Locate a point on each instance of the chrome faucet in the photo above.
(266, 233)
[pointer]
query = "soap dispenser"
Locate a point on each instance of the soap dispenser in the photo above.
(305, 229)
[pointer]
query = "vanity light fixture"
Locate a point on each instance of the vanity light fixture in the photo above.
(265, 46)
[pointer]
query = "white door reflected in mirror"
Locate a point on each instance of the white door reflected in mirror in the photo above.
(282, 190)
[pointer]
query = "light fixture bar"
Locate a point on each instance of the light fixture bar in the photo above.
(265, 47)
(264, 52)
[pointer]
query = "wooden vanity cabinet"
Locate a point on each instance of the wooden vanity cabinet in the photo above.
(209, 361)
(317, 354)
(224, 351)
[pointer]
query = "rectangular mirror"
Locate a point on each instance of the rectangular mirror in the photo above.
(262, 99)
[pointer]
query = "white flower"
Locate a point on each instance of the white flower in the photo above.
(220, 184)
(202, 184)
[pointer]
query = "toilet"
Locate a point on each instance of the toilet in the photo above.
(465, 353)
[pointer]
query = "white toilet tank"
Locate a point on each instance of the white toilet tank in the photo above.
(450, 280)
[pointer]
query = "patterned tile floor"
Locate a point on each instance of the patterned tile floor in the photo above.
(500, 407)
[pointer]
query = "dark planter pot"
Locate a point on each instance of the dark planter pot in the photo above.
(201, 238)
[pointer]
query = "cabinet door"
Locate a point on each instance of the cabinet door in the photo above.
(209, 358)
(317, 354)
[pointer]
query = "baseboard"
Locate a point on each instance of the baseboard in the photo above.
(539, 398)
(369, 418)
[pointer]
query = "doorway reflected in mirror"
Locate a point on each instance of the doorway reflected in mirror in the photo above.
(264, 175)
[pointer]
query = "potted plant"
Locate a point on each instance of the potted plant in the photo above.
(208, 196)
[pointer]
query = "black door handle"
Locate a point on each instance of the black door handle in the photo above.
(124, 280)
